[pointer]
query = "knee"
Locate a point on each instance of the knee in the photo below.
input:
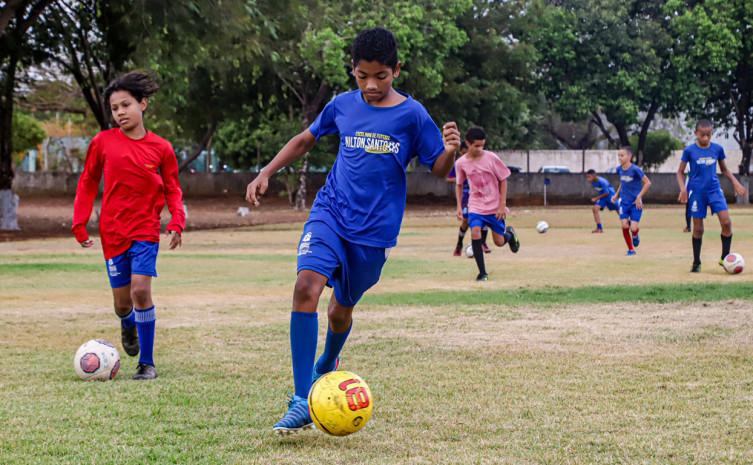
(339, 317)
(726, 224)
(140, 295)
(499, 241)
(122, 308)
(476, 232)
(307, 290)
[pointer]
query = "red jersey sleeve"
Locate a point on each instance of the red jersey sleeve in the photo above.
(173, 192)
(87, 190)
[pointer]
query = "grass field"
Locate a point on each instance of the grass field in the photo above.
(572, 353)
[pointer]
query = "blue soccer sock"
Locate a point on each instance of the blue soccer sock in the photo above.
(128, 321)
(332, 348)
(599, 227)
(304, 328)
(145, 326)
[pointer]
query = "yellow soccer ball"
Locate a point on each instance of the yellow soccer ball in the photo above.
(340, 403)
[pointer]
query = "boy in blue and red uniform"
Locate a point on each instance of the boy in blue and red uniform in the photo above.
(703, 189)
(141, 174)
(356, 216)
(633, 186)
(464, 222)
(602, 199)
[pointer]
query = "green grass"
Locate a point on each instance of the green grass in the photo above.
(548, 296)
(570, 354)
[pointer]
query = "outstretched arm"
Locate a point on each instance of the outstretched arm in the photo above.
(739, 189)
(296, 147)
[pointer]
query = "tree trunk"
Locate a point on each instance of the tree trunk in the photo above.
(643, 135)
(203, 144)
(300, 196)
(602, 127)
(622, 132)
(7, 205)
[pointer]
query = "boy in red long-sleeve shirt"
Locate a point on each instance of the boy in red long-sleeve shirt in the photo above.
(141, 174)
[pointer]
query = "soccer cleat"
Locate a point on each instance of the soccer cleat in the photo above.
(630, 253)
(696, 268)
(315, 375)
(514, 242)
(129, 337)
(597, 231)
(636, 241)
(486, 248)
(686, 230)
(721, 262)
(482, 277)
(458, 251)
(297, 417)
(145, 372)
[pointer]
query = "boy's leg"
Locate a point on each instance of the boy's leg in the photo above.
(484, 234)
(726, 223)
(697, 239)
(478, 251)
(627, 236)
(687, 217)
(597, 218)
(146, 317)
(461, 235)
(340, 321)
(124, 309)
(304, 328)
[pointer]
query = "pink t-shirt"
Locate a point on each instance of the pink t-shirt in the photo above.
(484, 175)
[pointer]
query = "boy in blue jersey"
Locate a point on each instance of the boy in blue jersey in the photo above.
(356, 216)
(633, 186)
(464, 208)
(602, 199)
(703, 189)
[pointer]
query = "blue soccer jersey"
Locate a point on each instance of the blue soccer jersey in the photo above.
(363, 199)
(466, 186)
(630, 183)
(703, 161)
(602, 186)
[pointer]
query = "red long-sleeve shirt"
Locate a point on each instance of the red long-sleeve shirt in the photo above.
(140, 175)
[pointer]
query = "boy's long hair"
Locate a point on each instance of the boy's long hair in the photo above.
(140, 84)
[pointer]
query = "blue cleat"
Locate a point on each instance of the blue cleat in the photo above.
(636, 241)
(297, 417)
(315, 375)
(630, 253)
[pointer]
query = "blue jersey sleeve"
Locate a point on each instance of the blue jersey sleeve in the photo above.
(685, 155)
(639, 172)
(324, 124)
(722, 155)
(429, 144)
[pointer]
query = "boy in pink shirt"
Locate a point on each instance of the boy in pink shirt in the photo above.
(487, 205)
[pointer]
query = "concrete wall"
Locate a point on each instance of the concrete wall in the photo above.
(600, 160)
(523, 188)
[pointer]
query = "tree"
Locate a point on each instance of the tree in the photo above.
(608, 57)
(659, 147)
(16, 20)
(28, 133)
(715, 42)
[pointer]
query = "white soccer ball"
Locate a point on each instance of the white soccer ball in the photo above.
(96, 360)
(734, 263)
(469, 251)
(542, 227)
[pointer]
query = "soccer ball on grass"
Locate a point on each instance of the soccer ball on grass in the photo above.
(340, 403)
(96, 360)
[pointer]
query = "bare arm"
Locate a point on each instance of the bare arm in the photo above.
(739, 189)
(683, 198)
(296, 147)
(502, 212)
(646, 184)
(617, 193)
(444, 162)
(459, 200)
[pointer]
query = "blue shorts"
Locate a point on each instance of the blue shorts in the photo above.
(498, 226)
(699, 201)
(351, 269)
(140, 258)
(628, 211)
(606, 202)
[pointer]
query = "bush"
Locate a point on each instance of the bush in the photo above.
(659, 146)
